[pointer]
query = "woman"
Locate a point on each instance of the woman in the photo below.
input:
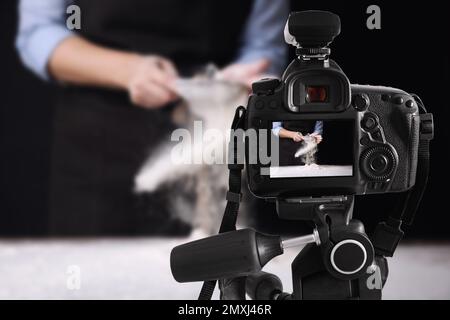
(117, 74)
(293, 134)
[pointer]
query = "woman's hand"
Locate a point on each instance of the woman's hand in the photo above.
(317, 137)
(288, 134)
(151, 81)
(297, 136)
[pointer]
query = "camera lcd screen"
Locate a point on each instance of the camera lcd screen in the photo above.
(313, 148)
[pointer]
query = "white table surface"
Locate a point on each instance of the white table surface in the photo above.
(139, 269)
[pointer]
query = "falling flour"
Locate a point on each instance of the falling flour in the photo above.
(307, 151)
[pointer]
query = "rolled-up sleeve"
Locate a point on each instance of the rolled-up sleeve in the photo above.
(318, 128)
(263, 35)
(276, 127)
(41, 28)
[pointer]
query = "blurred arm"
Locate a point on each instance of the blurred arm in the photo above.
(263, 36)
(49, 49)
(41, 29)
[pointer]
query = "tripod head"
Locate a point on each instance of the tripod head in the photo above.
(346, 250)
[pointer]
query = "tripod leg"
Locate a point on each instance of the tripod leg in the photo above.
(371, 284)
(384, 269)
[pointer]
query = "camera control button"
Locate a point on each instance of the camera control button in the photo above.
(361, 101)
(259, 104)
(410, 104)
(265, 86)
(379, 163)
(377, 135)
(399, 100)
(364, 141)
(273, 104)
(369, 123)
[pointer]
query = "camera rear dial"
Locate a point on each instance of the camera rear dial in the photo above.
(378, 163)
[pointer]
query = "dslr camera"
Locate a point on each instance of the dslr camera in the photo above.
(368, 135)
(323, 141)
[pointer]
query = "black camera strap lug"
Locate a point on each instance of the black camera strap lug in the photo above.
(386, 237)
(426, 126)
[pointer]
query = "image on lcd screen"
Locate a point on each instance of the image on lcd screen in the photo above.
(313, 148)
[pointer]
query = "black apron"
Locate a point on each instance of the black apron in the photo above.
(100, 139)
(289, 147)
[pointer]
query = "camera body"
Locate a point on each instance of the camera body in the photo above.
(370, 133)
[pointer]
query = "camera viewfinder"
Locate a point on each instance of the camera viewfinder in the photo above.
(316, 94)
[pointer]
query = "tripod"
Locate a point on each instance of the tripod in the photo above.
(341, 266)
(338, 261)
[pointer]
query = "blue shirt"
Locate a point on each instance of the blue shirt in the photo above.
(42, 26)
(276, 127)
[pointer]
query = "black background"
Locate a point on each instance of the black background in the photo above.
(409, 52)
(338, 135)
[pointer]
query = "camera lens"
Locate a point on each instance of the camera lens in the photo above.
(316, 94)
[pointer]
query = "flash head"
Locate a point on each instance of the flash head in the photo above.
(312, 29)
